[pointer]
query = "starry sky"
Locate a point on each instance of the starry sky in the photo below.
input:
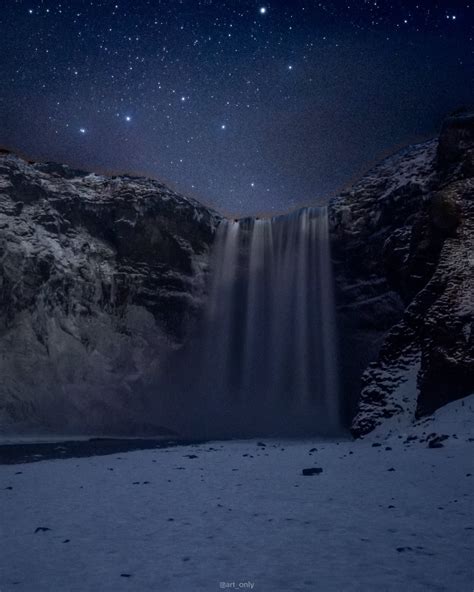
(249, 106)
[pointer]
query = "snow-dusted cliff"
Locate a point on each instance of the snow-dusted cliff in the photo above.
(404, 243)
(98, 277)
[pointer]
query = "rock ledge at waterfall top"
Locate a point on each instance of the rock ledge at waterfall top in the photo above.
(98, 276)
(403, 241)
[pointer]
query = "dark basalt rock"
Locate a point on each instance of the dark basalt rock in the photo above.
(437, 441)
(455, 149)
(416, 248)
(312, 471)
(445, 213)
(99, 278)
(373, 229)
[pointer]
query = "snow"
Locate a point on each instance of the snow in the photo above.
(410, 165)
(242, 513)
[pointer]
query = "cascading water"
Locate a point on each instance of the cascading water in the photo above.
(264, 358)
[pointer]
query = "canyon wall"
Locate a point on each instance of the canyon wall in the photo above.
(404, 253)
(101, 279)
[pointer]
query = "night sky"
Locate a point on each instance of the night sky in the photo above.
(248, 106)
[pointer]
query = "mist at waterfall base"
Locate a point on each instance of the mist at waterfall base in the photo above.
(262, 361)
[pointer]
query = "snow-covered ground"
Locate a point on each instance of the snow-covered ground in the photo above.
(236, 515)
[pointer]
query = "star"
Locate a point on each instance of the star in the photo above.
(232, 63)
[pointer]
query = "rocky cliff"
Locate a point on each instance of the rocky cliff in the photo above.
(98, 278)
(404, 254)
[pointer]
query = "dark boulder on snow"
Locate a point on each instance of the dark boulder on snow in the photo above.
(437, 441)
(312, 471)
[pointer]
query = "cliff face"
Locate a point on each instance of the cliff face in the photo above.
(404, 243)
(98, 278)
(101, 276)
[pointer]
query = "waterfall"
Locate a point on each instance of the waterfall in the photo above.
(264, 359)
